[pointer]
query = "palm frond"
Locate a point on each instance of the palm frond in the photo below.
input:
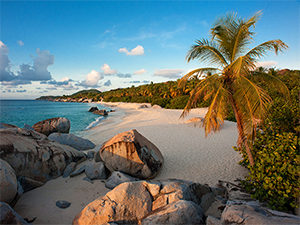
(203, 90)
(260, 50)
(206, 51)
(196, 72)
(217, 111)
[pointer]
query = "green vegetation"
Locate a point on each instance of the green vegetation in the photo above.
(275, 177)
(231, 81)
(85, 94)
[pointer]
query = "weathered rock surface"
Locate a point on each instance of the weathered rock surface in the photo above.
(96, 171)
(9, 216)
(72, 140)
(132, 153)
(131, 202)
(8, 182)
(252, 213)
(92, 109)
(90, 155)
(127, 203)
(179, 212)
(101, 112)
(28, 184)
(32, 155)
(57, 124)
(117, 178)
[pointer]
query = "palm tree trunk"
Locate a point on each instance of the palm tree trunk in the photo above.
(242, 139)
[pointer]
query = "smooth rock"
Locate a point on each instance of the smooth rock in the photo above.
(156, 107)
(133, 154)
(78, 171)
(10, 216)
(92, 109)
(179, 212)
(69, 169)
(8, 182)
(62, 204)
(207, 200)
(127, 203)
(96, 171)
(33, 156)
(72, 140)
(216, 208)
(247, 214)
(117, 178)
(57, 124)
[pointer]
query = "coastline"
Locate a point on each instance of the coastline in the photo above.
(188, 155)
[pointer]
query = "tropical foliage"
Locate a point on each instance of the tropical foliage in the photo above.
(231, 80)
(275, 178)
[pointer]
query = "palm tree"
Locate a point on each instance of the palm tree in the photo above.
(231, 81)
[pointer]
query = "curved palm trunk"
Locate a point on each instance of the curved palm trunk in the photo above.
(242, 139)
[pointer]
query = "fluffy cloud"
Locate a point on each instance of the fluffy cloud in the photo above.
(141, 71)
(27, 73)
(107, 70)
(107, 83)
(169, 73)
(92, 79)
(21, 43)
(138, 50)
(266, 64)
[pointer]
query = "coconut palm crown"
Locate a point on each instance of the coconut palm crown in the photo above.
(230, 81)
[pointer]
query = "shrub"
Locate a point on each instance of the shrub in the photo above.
(275, 177)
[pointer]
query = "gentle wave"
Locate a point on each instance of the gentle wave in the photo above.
(94, 123)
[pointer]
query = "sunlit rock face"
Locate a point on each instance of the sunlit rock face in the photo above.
(131, 153)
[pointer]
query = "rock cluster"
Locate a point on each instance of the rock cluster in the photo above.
(33, 156)
(177, 202)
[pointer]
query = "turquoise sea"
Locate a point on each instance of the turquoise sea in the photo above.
(20, 112)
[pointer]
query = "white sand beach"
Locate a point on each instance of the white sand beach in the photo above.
(188, 155)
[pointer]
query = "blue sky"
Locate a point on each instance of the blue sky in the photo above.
(61, 47)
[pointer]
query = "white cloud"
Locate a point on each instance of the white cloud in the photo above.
(169, 73)
(92, 79)
(266, 64)
(141, 71)
(27, 73)
(107, 70)
(138, 50)
(21, 43)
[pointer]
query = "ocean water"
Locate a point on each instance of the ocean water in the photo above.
(20, 112)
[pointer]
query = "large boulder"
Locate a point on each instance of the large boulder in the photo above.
(9, 216)
(96, 171)
(57, 124)
(72, 140)
(6, 125)
(247, 213)
(32, 155)
(101, 112)
(8, 182)
(131, 153)
(136, 202)
(127, 203)
(92, 109)
(179, 212)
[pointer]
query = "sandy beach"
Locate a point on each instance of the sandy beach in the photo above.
(188, 155)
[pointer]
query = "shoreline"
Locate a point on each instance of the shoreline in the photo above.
(188, 155)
